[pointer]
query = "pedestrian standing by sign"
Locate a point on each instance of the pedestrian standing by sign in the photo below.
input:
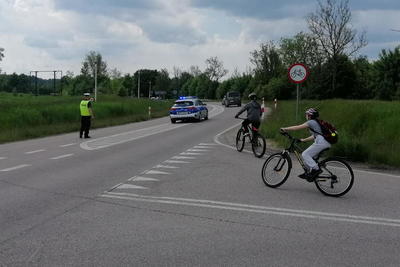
(86, 115)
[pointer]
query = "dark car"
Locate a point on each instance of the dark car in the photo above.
(232, 98)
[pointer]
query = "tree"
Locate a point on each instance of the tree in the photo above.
(194, 70)
(215, 69)
(94, 61)
(128, 85)
(162, 83)
(146, 79)
(302, 48)
(1, 55)
(267, 62)
(387, 78)
(114, 73)
(330, 26)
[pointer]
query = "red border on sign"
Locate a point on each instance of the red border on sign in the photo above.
(305, 78)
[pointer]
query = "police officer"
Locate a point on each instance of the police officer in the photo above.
(86, 115)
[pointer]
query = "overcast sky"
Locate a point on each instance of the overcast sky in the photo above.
(155, 34)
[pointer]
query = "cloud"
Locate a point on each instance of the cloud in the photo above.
(258, 9)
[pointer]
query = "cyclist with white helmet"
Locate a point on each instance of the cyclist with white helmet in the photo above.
(254, 112)
(319, 143)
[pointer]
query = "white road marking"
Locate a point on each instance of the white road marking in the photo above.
(63, 156)
(142, 179)
(258, 209)
(16, 167)
(66, 145)
(156, 172)
(183, 157)
(176, 161)
(165, 167)
(223, 132)
(190, 153)
(131, 186)
(197, 150)
(3, 157)
(35, 151)
(377, 173)
(201, 147)
(207, 144)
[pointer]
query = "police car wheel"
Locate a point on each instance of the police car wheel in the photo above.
(173, 120)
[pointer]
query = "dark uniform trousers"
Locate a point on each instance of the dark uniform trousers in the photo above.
(85, 125)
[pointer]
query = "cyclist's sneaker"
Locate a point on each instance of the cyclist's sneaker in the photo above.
(313, 174)
(303, 176)
(246, 134)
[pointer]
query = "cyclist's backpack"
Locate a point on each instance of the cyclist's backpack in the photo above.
(329, 131)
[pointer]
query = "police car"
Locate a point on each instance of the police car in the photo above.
(188, 108)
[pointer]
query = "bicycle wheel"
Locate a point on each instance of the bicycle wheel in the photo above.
(336, 178)
(240, 140)
(258, 145)
(276, 169)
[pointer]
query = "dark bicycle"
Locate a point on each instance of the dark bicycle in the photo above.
(336, 178)
(258, 143)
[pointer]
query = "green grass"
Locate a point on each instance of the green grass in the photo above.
(25, 116)
(368, 130)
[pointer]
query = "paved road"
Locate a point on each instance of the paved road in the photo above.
(161, 194)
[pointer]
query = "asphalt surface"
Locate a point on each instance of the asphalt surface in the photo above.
(161, 194)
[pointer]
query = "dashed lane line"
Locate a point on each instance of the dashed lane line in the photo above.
(183, 157)
(143, 179)
(15, 167)
(159, 166)
(190, 153)
(130, 186)
(176, 161)
(157, 172)
(62, 156)
(67, 145)
(35, 151)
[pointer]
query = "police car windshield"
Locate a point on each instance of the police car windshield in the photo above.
(183, 103)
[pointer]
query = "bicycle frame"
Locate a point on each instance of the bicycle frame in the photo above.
(251, 129)
(296, 150)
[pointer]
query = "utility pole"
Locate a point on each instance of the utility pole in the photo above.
(54, 82)
(149, 88)
(138, 88)
(95, 82)
(36, 88)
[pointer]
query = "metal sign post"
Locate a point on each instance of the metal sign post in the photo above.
(298, 73)
(297, 102)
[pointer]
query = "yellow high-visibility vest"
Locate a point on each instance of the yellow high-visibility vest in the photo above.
(84, 108)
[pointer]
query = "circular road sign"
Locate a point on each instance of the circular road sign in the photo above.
(298, 73)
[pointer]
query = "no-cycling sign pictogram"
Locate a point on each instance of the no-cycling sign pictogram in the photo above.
(298, 73)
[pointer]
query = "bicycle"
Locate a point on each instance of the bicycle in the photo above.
(258, 143)
(336, 178)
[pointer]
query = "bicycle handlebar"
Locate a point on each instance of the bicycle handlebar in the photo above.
(284, 133)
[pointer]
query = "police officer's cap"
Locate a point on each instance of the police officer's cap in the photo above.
(86, 94)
